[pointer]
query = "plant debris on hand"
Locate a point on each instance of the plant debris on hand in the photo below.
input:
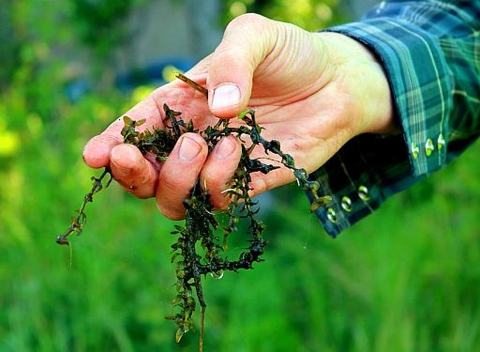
(201, 242)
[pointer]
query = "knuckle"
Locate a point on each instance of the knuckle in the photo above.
(246, 20)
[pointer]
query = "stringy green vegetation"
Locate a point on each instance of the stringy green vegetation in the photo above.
(199, 250)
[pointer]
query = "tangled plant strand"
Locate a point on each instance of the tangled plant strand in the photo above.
(202, 241)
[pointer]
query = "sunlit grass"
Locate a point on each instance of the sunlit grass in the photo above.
(404, 279)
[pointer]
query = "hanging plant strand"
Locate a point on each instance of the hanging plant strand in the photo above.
(202, 241)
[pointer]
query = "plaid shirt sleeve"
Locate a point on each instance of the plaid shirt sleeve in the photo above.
(430, 51)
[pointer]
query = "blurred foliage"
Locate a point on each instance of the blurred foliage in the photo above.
(308, 14)
(101, 24)
(404, 279)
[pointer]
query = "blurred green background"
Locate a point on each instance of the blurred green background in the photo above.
(407, 278)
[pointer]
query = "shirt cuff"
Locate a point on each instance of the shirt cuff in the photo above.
(420, 82)
(371, 168)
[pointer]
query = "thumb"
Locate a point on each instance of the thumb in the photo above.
(246, 42)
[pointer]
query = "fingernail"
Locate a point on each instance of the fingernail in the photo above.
(189, 149)
(225, 95)
(121, 168)
(224, 148)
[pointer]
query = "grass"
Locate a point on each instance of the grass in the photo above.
(404, 279)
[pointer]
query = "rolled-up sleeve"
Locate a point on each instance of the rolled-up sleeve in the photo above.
(430, 51)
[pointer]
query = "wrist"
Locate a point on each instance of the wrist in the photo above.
(361, 74)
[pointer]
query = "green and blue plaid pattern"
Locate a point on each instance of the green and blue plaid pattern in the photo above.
(430, 51)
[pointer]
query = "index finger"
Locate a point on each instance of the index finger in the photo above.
(177, 94)
(96, 152)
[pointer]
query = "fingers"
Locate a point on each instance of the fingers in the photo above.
(179, 173)
(96, 152)
(132, 171)
(247, 41)
(187, 161)
(219, 169)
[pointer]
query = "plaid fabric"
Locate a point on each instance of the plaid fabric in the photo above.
(431, 53)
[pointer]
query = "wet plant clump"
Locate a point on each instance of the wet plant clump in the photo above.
(201, 242)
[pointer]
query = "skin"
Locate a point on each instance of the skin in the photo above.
(311, 91)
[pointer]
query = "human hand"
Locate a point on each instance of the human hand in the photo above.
(310, 91)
